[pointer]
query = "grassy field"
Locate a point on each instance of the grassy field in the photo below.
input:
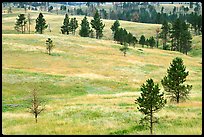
(88, 86)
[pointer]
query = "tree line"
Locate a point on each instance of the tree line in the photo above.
(177, 33)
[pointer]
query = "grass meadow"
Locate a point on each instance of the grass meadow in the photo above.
(87, 85)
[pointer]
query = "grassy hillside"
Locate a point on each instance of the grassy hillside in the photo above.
(88, 86)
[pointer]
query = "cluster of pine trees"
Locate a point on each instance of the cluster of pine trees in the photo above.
(69, 26)
(85, 31)
(151, 100)
(178, 34)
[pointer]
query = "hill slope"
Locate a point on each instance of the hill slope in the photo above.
(88, 85)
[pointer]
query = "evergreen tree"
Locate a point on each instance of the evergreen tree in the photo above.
(115, 26)
(186, 38)
(176, 35)
(49, 45)
(129, 38)
(85, 29)
(150, 102)
(152, 42)
(173, 82)
(40, 24)
(134, 41)
(97, 25)
(124, 49)
(142, 40)
(164, 33)
(65, 27)
(147, 42)
(20, 23)
(73, 25)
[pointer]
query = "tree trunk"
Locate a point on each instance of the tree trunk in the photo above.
(22, 29)
(151, 122)
(177, 98)
(29, 28)
(36, 118)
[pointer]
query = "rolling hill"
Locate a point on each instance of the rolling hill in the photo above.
(87, 84)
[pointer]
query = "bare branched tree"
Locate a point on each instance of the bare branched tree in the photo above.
(36, 107)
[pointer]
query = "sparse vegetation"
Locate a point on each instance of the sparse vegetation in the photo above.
(88, 82)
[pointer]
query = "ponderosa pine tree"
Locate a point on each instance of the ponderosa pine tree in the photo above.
(40, 24)
(73, 25)
(115, 26)
(124, 49)
(134, 41)
(152, 42)
(173, 82)
(142, 40)
(164, 33)
(20, 23)
(49, 45)
(186, 38)
(65, 27)
(150, 102)
(176, 35)
(98, 25)
(85, 29)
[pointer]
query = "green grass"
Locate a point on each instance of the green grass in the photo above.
(87, 85)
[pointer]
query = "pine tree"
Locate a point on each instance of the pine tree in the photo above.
(186, 38)
(176, 34)
(98, 25)
(152, 42)
(49, 45)
(164, 33)
(150, 102)
(85, 29)
(40, 24)
(173, 82)
(129, 38)
(115, 26)
(20, 23)
(73, 25)
(142, 40)
(65, 27)
(124, 49)
(134, 41)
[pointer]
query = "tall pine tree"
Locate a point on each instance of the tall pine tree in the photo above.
(142, 40)
(20, 23)
(98, 25)
(173, 82)
(73, 25)
(150, 102)
(65, 27)
(186, 38)
(115, 26)
(40, 24)
(85, 29)
(164, 33)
